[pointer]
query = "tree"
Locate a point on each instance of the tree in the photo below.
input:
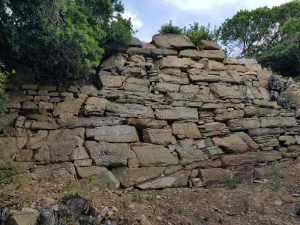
(259, 32)
(61, 39)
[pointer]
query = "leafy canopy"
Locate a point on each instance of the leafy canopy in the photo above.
(268, 34)
(62, 39)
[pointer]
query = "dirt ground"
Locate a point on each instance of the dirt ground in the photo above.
(251, 204)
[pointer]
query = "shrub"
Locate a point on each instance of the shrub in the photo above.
(231, 181)
(3, 77)
(196, 33)
(169, 28)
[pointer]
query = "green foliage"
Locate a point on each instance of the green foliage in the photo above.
(67, 196)
(274, 175)
(4, 214)
(231, 181)
(269, 34)
(196, 33)
(10, 174)
(169, 28)
(91, 182)
(3, 77)
(63, 217)
(63, 39)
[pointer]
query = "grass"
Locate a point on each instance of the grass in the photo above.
(63, 217)
(274, 175)
(231, 181)
(10, 175)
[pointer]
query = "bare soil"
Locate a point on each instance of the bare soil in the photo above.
(258, 204)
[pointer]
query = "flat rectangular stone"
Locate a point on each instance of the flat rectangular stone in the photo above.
(131, 176)
(279, 122)
(109, 154)
(158, 136)
(129, 110)
(90, 122)
(177, 113)
(113, 134)
(154, 155)
(250, 158)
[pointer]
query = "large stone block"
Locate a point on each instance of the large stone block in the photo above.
(131, 176)
(110, 154)
(113, 134)
(26, 216)
(111, 81)
(68, 109)
(61, 144)
(55, 172)
(158, 136)
(225, 91)
(243, 124)
(209, 54)
(173, 79)
(170, 41)
(186, 130)
(95, 106)
(257, 111)
(175, 62)
(229, 115)
(154, 155)
(141, 123)
(250, 158)
(129, 110)
(236, 143)
(177, 113)
(279, 122)
(178, 179)
(116, 60)
(214, 176)
(189, 152)
(166, 87)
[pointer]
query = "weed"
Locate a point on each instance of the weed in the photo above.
(123, 203)
(63, 217)
(245, 205)
(4, 214)
(10, 174)
(137, 198)
(231, 181)
(274, 175)
(67, 196)
(90, 221)
(91, 182)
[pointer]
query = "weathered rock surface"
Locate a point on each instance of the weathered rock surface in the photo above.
(114, 134)
(159, 115)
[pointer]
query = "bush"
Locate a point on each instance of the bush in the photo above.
(3, 77)
(169, 28)
(62, 39)
(196, 33)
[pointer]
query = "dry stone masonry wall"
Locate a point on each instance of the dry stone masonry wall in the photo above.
(160, 115)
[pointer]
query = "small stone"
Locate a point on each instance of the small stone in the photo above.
(278, 202)
(144, 221)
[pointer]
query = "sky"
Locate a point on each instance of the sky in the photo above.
(147, 16)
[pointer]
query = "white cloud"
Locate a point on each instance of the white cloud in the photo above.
(210, 5)
(136, 23)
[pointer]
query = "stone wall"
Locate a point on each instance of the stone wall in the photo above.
(160, 115)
